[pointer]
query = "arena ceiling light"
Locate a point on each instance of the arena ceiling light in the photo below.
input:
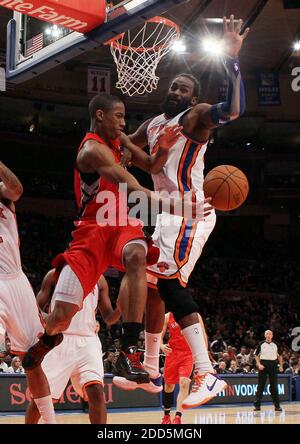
(213, 46)
(297, 46)
(53, 31)
(179, 46)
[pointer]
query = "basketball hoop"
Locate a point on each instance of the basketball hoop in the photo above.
(137, 56)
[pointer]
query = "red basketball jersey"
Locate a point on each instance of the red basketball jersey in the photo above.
(177, 341)
(88, 187)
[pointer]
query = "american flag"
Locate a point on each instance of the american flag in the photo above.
(33, 45)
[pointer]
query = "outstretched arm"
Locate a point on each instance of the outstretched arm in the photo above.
(10, 186)
(211, 116)
(98, 157)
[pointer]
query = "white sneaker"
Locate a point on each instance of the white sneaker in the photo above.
(205, 387)
(154, 386)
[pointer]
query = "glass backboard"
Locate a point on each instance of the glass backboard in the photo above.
(35, 46)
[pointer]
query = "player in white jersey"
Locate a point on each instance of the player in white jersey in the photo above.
(79, 356)
(180, 241)
(19, 314)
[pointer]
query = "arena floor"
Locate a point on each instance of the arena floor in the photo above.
(238, 414)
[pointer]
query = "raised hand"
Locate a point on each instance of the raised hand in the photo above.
(168, 136)
(232, 40)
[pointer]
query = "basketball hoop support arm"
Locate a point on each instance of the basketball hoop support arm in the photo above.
(76, 43)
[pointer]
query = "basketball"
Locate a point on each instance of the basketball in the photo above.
(228, 187)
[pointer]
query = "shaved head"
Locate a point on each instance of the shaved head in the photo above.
(269, 335)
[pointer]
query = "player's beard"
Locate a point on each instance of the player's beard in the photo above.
(172, 106)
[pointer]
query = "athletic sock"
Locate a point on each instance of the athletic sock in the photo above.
(168, 398)
(152, 348)
(46, 409)
(130, 337)
(195, 338)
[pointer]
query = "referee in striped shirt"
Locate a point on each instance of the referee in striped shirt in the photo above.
(267, 357)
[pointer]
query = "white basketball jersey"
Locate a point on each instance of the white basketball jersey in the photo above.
(180, 241)
(84, 322)
(10, 261)
(183, 170)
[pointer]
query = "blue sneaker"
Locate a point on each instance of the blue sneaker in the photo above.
(154, 386)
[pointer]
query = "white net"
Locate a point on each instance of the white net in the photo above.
(137, 54)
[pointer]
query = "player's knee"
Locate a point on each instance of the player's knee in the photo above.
(169, 388)
(178, 299)
(134, 258)
(184, 383)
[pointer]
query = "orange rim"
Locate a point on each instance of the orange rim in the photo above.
(114, 41)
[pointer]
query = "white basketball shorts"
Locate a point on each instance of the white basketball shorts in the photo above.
(19, 313)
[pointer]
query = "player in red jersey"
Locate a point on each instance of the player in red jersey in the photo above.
(178, 367)
(19, 315)
(104, 235)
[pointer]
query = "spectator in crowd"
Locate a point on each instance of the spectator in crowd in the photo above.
(218, 345)
(294, 368)
(243, 355)
(234, 368)
(221, 369)
(109, 362)
(5, 349)
(3, 365)
(239, 362)
(285, 359)
(227, 359)
(117, 345)
(247, 368)
(251, 357)
(141, 344)
(231, 353)
(16, 366)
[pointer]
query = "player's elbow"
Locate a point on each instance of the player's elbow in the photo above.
(237, 115)
(16, 193)
(234, 116)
